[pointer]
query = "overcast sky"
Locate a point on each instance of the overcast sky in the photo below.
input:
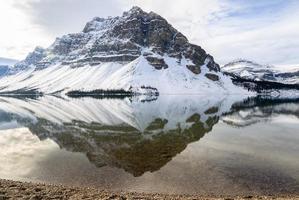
(266, 31)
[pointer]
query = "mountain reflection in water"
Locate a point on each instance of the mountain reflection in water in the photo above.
(137, 136)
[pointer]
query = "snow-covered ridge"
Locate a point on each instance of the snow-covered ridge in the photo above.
(135, 50)
(253, 71)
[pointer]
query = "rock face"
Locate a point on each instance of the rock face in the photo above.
(212, 77)
(158, 63)
(135, 50)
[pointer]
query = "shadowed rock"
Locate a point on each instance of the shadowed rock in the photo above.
(212, 77)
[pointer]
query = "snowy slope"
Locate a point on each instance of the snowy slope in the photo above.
(176, 79)
(254, 71)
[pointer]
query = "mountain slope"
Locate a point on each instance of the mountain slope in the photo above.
(139, 52)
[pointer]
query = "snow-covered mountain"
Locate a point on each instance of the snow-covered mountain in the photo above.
(138, 52)
(282, 83)
(253, 71)
(6, 65)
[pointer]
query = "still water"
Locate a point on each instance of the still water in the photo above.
(170, 144)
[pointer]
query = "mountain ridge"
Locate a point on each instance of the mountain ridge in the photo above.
(264, 79)
(251, 70)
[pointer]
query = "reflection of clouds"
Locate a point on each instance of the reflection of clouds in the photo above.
(20, 151)
(274, 142)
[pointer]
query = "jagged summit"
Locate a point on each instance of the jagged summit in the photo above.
(135, 52)
(136, 29)
(135, 10)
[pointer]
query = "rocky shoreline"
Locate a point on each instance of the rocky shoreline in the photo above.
(38, 191)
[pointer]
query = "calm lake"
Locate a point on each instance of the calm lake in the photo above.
(167, 144)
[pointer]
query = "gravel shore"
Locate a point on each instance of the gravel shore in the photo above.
(33, 191)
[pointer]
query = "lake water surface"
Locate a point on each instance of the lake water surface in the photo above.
(170, 144)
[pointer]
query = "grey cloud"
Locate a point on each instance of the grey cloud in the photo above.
(59, 17)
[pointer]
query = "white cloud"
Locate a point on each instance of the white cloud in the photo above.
(18, 35)
(271, 38)
(265, 31)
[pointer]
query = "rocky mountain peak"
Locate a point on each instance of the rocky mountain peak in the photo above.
(123, 39)
(135, 10)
